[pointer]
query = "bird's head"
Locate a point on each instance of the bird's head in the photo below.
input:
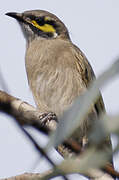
(39, 23)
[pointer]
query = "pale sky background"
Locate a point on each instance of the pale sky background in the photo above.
(93, 26)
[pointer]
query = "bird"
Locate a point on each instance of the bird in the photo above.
(58, 72)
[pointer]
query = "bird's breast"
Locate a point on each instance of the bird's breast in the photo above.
(53, 77)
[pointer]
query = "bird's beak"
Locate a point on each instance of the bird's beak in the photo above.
(17, 16)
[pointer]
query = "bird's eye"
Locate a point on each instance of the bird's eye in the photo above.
(40, 21)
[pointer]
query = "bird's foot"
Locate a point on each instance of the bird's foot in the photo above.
(46, 117)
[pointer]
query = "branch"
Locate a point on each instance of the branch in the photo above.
(26, 114)
(94, 174)
(28, 176)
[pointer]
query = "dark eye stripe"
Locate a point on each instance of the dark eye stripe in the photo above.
(30, 17)
(40, 21)
(51, 23)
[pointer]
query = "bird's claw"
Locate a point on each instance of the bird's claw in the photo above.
(46, 117)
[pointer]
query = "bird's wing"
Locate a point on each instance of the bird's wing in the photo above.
(88, 76)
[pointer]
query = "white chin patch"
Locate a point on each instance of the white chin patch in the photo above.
(55, 35)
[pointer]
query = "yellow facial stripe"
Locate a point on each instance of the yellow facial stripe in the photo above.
(45, 27)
